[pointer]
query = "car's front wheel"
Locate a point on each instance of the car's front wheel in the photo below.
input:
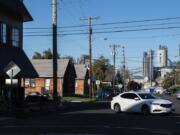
(117, 108)
(145, 110)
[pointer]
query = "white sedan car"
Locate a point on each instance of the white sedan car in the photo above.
(140, 102)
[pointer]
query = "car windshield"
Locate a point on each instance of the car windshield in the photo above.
(147, 96)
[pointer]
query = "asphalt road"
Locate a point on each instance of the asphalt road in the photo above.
(91, 118)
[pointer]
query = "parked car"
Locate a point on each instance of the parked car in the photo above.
(106, 94)
(35, 100)
(168, 92)
(178, 95)
(140, 102)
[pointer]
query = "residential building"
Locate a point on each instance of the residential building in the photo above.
(44, 83)
(81, 86)
(13, 59)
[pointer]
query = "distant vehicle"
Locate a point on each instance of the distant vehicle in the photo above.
(178, 95)
(159, 90)
(168, 92)
(32, 94)
(143, 102)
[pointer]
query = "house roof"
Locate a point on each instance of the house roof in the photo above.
(44, 67)
(16, 6)
(9, 54)
(81, 71)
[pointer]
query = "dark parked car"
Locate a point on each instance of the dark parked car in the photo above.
(35, 101)
(106, 94)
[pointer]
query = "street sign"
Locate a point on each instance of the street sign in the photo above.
(12, 69)
(120, 86)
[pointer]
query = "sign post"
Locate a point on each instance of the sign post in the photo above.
(11, 70)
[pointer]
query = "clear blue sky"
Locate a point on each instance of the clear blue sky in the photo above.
(71, 11)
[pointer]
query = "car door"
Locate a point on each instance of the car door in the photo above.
(130, 102)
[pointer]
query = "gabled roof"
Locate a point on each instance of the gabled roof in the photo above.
(17, 7)
(81, 71)
(16, 55)
(45, 69)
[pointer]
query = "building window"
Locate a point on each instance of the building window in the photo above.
(15, 37)
(3, 34)
(30, 83)
(27, 83)
(9, 35)
(47, 84)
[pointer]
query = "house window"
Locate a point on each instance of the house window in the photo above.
(9, 35)
(30, 83)
(47, 84)
(3, 30)
(15, 37)
(27, 83)
(11, 82)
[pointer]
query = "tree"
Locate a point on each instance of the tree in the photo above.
(70, 58)
(37, 55)
(47, 54)
(118, 78)
(168, 82)
(84, 59)
(100, 67)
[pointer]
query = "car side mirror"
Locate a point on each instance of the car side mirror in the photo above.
(136, 98)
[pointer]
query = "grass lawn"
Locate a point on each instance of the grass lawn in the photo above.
(77, 99)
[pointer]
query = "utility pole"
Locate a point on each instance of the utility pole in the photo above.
(90, 57)
(124, 67)
(54, 30)
(90, 52)
(114, 47)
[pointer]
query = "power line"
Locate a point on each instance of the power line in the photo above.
(135, 26)
(113, 23)
(114, 31)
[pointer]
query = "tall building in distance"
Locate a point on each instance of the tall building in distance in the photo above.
(145, 65)
(162, 57)
(148, 66)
